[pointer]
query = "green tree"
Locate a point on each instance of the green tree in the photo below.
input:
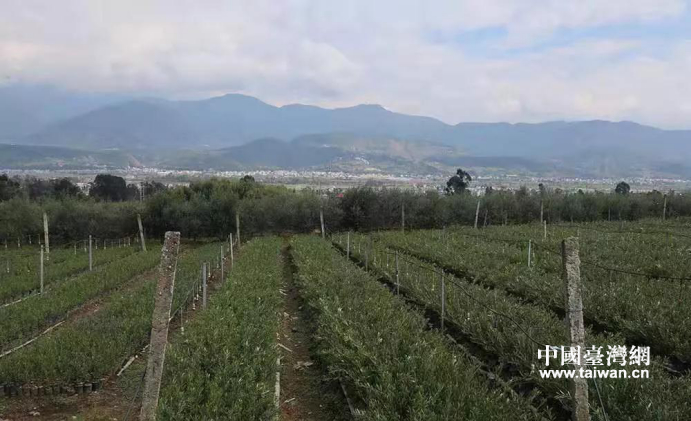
(9, 187)
(459, 182)
(109, 188)
(63, 187)
(622, 188)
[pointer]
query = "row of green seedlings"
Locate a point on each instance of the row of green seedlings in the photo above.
(512, 331)
(644, 311)
(385, 354)
(224, 365)
(16, 259)
(27, 282)
(103, 242)
(190, 290)
(23, 321)
(654, 254)
(80, 356)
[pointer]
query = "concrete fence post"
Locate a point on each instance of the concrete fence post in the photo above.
(571, 273)
(163, 300)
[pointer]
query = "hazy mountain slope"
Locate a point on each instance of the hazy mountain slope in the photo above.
(129, 125)
(262, 153)
(235, 119)
(558, 139)
(369, 134)
(229, 120)
(29, 109)
(51, 157)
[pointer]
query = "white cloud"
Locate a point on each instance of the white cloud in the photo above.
(341, 53)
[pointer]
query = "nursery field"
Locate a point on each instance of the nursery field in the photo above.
(504, 297)
(443, 324)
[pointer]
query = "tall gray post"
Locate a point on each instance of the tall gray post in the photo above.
(348, 246)
(204, 278)
(398, 281)
(46, 236)
(321, 220)
(571, 273)
(237, 227)
(542, 210)
(403, 217)
(163, 300)
(41, 290)
(141, 232)
(477, 212)
(232, 258)
(530, 253)
(222, 265)
(664, 209)
(91, 255)
(443, 298)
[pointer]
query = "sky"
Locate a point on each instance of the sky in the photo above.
(459, 61)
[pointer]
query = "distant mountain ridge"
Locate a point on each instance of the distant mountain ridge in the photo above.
(212, 132)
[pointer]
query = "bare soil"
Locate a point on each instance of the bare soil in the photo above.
(306, 395)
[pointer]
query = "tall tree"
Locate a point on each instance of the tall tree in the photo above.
(109, 188)
(64, 187)
(9, 187)
(459, 182)
(622, 188)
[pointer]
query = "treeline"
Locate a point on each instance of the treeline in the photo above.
(105, 187)
(207, 209)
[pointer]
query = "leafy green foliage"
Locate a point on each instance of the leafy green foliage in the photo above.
(383, 351)
(95, 346)
(224, 365)
(476, 310)
(459, 182)
(23, 320)
(25, 268)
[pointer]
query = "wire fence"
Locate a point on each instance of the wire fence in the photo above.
(586, 262)
(403, 257)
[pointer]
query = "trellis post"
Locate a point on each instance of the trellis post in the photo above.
(46, 236)
(163, 300)
(141, 232)
(571, 273)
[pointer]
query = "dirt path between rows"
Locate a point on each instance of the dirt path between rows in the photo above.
(305, 395)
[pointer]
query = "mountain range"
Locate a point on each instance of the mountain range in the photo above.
(241, 132)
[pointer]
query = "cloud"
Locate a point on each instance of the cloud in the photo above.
(341, 53)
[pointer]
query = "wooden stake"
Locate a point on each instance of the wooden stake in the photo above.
(398, 283)
(571, 273)
(402, 217)
(664, 209)
(348, 246)
(91, 255)
(530, 243)
(542, 207)
(443, 298)
(141, 232)
(41, 290)
(544, 224)
(321, 220)
(222, 265)
(237, 227)
(232, 259)
(204, 277)
(159, 326)
(477, 212)
(45, 234)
